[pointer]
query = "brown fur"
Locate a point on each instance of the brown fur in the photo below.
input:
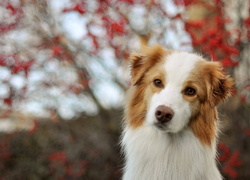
(214, 86)
(140, 64)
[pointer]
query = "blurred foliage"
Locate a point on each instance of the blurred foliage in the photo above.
(77, 149)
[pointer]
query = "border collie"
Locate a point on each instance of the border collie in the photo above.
(171, 121)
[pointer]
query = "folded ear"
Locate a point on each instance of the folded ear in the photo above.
(137, 67)
(221, 84)
(140, 64)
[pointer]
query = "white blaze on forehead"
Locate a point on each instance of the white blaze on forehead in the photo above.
(179, 65)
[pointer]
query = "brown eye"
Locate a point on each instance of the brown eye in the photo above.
(190, 91)
(158, 83)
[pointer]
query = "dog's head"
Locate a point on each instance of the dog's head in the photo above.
(173, 90)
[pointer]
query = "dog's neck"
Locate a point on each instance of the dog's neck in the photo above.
(154, 154)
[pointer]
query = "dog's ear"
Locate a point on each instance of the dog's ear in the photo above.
(137, 67)
(221, 84)
(140, 64)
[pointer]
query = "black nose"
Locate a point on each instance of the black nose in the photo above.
(164, 114)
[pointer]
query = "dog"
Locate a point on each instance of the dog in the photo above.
(171, 121)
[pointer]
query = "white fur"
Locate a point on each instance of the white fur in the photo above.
(173, 153)
(156, 155)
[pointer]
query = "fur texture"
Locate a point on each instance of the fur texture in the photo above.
(184, 147)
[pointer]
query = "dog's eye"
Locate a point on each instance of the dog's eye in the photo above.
(190, 91)
(158, 83)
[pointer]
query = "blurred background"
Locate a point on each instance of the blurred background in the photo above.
(64, 75)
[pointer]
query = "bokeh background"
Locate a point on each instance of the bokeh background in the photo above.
(64, 74)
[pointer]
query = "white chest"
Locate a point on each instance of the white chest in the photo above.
(154, 155)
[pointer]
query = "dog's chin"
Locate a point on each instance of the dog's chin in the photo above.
(166, 128)
(163, 127)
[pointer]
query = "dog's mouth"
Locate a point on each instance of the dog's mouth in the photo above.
(160, 126)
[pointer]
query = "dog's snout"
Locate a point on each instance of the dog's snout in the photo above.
(164, 114)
